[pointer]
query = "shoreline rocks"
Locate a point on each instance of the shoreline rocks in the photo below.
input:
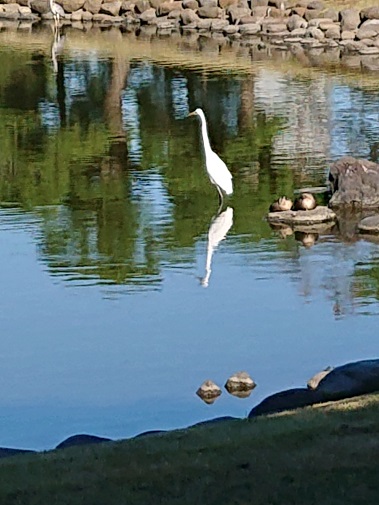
(304, 22)
(346, 381)
(331, 384)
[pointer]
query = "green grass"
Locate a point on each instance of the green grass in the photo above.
(321, 455)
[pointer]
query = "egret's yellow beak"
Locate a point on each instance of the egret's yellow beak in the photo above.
(193, 113)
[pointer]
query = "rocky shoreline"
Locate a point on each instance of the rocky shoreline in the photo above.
(331, 384)
(305, 22)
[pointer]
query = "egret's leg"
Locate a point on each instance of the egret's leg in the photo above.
(220, 199)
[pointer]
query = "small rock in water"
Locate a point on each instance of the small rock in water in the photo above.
(208, 391)
(240, 382)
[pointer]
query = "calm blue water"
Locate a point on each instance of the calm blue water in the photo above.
(106, 325)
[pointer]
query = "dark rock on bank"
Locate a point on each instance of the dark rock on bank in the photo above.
(289, 399)
(6, 452)
(346, 381)
(76, 440)
(352, 379)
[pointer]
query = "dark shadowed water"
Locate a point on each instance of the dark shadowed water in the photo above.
(119, 297)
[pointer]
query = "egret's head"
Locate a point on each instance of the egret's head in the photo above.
(196, 112)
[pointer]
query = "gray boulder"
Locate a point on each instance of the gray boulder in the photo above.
(209, 12)
(355, 182)
(350, 19)
(369, 225)
(286, 400)
(93, 6)
(320, 214)
(346, 381)
(352, 379)
(72, 5)
(112, 8)
(370, 13)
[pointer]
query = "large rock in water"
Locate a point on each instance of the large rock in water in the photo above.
(318, 215)
(355, 182)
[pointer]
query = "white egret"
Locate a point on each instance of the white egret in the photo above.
(56, 10)
(218, 172)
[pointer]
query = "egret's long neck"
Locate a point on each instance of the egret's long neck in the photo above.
(204, 132)
(51, 5)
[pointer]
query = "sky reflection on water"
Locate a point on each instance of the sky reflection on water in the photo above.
(106, 327)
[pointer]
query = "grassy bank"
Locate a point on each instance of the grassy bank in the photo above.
(322, 455)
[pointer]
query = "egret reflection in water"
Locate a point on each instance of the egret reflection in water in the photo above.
(56, 48)
(220, 225)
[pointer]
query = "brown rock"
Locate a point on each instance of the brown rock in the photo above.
(142, 6)
(112, 8)
(249, 29)
(156, 3)
(148, 16)
(240, 381)
(77, 15)
(295, 21)
(331, 14)
(315, 5)
(175, 14)
(167, 7)
(127, 6)
(190, 4)
(188, 16)
(72, 5)
(209, 12)
(350, 19)
(370, 13)
(208, 390)
(87, 16)
(347, 35)
(300, 11)
(315, 33)
(312, 14)
(40, 6)
(333, 32)
(218, 25)
(224, 4)
(366, 33)
(92, 6)
(235, 13)
(276, 28)
(320, 214)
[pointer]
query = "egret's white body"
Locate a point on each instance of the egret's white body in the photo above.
(218, 172)
(56, 10)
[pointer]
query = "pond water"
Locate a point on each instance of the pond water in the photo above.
(119, 297)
